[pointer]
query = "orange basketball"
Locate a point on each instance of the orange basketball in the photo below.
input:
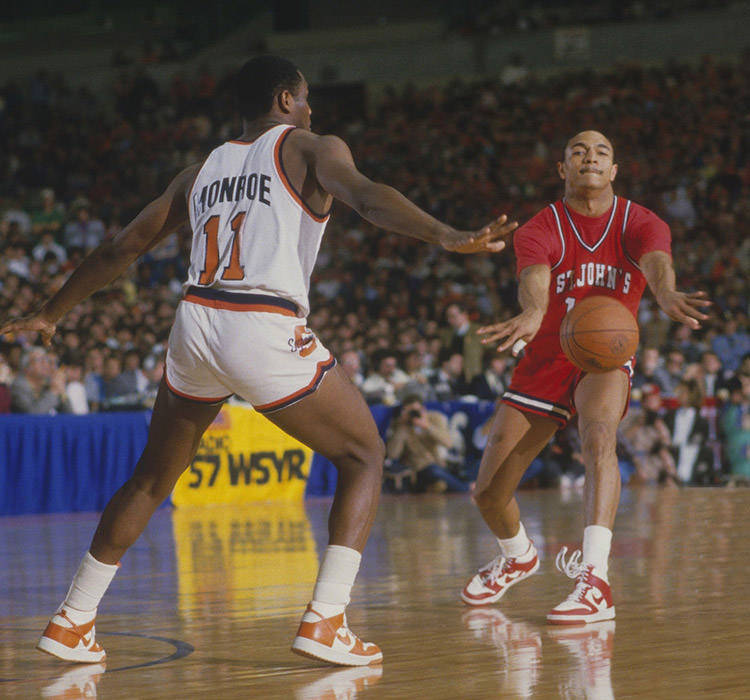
(599, 334)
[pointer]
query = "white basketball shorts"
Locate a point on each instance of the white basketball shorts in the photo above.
(251, 345)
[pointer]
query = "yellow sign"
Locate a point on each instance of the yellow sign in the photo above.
(244, 457)
(256, 560)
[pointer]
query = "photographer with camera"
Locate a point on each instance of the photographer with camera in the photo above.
(418, 443)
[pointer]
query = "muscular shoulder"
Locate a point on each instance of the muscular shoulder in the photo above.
(314, 146)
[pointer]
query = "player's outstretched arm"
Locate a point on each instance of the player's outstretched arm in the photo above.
(533, 297)
(112, 257)
(387, 208)
(685, 307)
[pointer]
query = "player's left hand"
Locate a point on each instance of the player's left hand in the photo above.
(488, 239)
(685, 307)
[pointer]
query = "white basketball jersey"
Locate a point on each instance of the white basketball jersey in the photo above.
(251, 230)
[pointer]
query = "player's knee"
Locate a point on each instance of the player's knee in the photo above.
(150, 486)
(365, 455)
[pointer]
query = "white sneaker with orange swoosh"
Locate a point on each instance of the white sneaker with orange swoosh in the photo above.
(69, 641)
(330, 639)
(591, 599)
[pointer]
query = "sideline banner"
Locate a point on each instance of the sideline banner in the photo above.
(244, 457)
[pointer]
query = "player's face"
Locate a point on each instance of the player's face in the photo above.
(300, 110)
(589, 161)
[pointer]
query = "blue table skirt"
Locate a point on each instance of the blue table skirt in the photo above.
(64, 463)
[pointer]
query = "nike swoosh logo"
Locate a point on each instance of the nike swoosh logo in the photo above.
(597, 598)
(344, 638)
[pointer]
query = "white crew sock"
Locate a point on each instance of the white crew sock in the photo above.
(518, 545)
(338, 570)
(89, 584)
(597, 541)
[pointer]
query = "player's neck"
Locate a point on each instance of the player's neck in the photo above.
(252, 130)
(590, 203)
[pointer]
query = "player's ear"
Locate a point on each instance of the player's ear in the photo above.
(561, 170)
(284, 101)
(613, 172)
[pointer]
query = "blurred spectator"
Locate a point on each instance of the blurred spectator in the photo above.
(732, 343)
(674, 368)
(562, 460)
(461, 337)
(514, 72)
(93, 378)
(17, 259)
(447, 381)
(352, 364)
(490, 384)
(17, 218)
(735, 431)
(132, 376)
(84, 231)
(418, 442)
(39, 387)
(647, 439)
(119, 392)
(649, 370)
(684, 339)
(47, 246)
(75, 390)
(48, 216)
(384, 382)
(153, 369)
(679, 207)
(414, 366)
(689, 433)
(710, 376)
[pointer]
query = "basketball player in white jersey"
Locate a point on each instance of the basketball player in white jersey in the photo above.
(258, 207)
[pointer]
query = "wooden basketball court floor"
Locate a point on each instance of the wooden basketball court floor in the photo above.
(207, 603)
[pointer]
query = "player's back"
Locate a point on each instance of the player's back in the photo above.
(252, 232)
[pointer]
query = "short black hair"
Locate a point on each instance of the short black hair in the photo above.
(259, 80)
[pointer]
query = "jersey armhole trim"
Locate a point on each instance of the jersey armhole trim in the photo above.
(320, 218)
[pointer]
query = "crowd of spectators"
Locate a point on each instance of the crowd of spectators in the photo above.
(77, 165)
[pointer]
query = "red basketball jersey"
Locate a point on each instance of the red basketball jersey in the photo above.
(588, 255)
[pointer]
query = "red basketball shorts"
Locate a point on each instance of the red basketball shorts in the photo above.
(546, 385)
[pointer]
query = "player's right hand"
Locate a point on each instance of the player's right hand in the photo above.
(517, 331)
(488, 239)
(35, 324)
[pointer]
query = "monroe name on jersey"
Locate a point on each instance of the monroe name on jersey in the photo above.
(255, 186)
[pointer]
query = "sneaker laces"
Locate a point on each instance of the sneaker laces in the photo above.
(572, 568)
(494, 569)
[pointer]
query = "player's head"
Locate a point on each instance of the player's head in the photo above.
(588, 161)
(265, 83)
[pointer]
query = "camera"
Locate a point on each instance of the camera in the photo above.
(413, 413)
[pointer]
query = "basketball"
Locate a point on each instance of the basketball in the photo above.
(599, 334)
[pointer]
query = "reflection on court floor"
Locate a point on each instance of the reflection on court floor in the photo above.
(257, 560)
(207, 603)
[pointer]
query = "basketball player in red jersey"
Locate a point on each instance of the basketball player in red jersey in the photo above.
(257, 206)
(590, 242)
